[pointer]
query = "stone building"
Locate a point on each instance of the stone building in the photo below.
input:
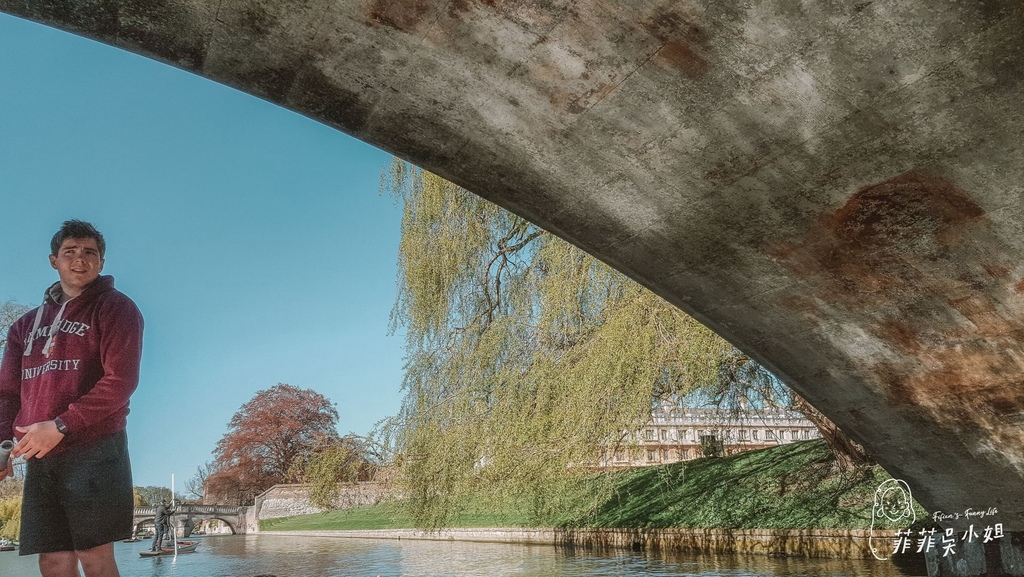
(679, 433)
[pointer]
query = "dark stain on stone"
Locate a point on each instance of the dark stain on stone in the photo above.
(272, 83)
(974, 281)
(668, 25)
(317, 95)
(257, 20)
(679, 34)
(899, 334)
(401, 15)
(94, 20)
(458, 7)
(897, 214)
(679, 55)
(164, 30)
(993, 10)
(865, 252)
(579, 104)
(159, 29)
(996, 271)
(913, 260)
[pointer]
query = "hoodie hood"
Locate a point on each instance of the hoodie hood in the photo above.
(54, 294)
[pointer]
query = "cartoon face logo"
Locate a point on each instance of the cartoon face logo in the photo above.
(893, 502)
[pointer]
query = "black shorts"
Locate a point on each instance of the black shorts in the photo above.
(79, 499)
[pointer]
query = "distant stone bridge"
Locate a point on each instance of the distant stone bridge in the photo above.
(188, 516)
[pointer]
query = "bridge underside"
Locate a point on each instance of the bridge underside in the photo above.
(835, 187)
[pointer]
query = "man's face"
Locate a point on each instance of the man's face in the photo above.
(78, 263)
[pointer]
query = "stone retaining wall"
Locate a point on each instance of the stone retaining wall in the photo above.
(840, 544)
(288, 500)
(819, 543)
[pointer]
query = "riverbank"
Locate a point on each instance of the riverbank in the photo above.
(784, 501)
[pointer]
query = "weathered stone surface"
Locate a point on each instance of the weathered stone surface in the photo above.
(288, 500)
(833, 186)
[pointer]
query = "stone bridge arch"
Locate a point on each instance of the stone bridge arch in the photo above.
(833, 187)
(190, 516)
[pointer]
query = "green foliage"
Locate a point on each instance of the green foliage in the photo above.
(346, 459)
(525, 354)
(151, 495)
(710, 446)
(10, 518)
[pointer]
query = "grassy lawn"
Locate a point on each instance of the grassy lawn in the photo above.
(790, 486)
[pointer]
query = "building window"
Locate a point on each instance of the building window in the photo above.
(652, 456)
(744, 435)
(649, 434)
(664, 434)
(754, 433)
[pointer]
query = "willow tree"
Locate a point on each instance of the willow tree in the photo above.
(525, 355)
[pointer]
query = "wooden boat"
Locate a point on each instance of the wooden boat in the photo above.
(183, 547)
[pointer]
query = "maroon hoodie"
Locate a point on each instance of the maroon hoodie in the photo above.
(84, 372)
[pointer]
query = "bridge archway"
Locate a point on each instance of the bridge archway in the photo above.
(835, 194)
(190, 516)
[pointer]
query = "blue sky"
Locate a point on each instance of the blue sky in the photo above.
(253, 239)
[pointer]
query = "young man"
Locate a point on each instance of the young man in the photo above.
(68, 371)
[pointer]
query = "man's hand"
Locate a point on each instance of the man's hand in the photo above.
(37, 440)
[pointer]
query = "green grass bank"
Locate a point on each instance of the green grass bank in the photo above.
(792, 486)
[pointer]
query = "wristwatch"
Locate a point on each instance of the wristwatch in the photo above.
(61, 426)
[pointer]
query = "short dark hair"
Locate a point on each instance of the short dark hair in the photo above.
(77, 229)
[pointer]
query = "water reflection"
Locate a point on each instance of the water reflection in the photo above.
(285, 556)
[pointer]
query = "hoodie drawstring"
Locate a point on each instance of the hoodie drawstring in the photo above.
(35, 327)
(54, 326)
(54, 329)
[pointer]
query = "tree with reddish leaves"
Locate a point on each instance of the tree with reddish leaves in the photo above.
(272, 430)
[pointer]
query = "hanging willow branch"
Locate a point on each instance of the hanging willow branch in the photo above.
(525, 354)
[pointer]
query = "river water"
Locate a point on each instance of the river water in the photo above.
(289, 556)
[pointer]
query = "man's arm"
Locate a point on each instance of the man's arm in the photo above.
(10, 390)
(120, 353)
